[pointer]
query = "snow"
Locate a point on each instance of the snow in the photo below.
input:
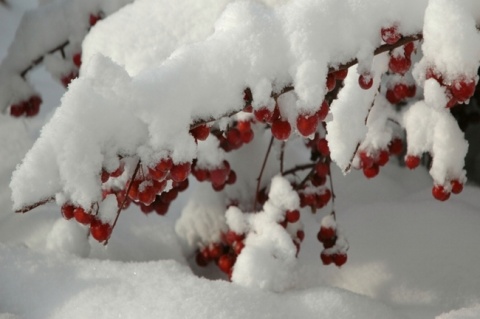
(410, 256)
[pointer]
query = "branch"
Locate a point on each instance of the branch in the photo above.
(39, 60)
(30, 207)
(298, 168)
(259, 179)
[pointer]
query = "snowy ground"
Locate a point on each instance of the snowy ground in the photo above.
(410, 256)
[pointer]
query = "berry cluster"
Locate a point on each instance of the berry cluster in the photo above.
(99, 229)
(334, 244)
(29, 107)
(219, 176)
(371, 160)
(459, 90)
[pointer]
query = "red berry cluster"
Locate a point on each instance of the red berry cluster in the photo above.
(29, 107)
(400, 91)
(457, 91)
(223, 253)
(307, 124)
(99, 230)
(442, 192)
(219, 176)
(236, 136)
(370, 161)
(335, 246)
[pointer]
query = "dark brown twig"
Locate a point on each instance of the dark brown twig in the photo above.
(30, 207)
(39, 60)
(137, 168)
(259, 178)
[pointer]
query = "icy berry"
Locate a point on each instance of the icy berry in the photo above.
(371, 172)
(292, 216)
(67, 211)
(226, 262)
(390, 35)
(326, 258)
(463, 89)
(339, 259)
(200, 132)
(82, 216)
(263, 114)
(399, 64)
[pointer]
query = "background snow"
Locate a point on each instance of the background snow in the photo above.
(410, 256)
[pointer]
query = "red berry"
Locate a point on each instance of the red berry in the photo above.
(100, 231)
(463, 89)
(408, 49)
(77, 59)
(412, 161)
(326, 233)
(317, 180)
(331, 82)
(215, 251)
(371, 172)
(339, 259)
(390, 35)
(232, 178)
(323, 111)
(164, 165)
(200, 174)
(326, 258)
(168, 197)
(238, 247)
(292, 216)
(226, 262)
(18, 109)
(82, 216)
(32, 106)
(219, 176)
(119, 171)
(147, 195)
(341, 74)
(246, 136)
(366, 161)
(383, 157)
(392, 97)
(399, 64)
(322, 169)
(68, 211)
(201, 260)
(157, 174)
(230, 237)
(160, 207)
(307, 124)
(281, 129)
(412, 90)
(396, 146)
(200, 132)
(179, 172)
(104, 176)
(301, 235)
(247, 95)
(365, 81)
(93, 19)
(457, 186)
(244, 126)
(263, 114)
(439, 192)
(400, 90)
(322, 147)
(234, 138)
(325, 197)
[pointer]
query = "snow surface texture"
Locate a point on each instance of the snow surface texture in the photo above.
(413, 254)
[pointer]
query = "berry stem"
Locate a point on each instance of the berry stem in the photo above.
(137, 168)
(282, 155)
(299, 168)
(331, 187)
(39, 60)
(259, 178)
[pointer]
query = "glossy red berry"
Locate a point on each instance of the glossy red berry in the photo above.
(383, 157)
(301, 235)
(322, 169)
(365, 81)
(68, 211)
(77, 59)
(463, 89)
(339, 259)
(263, 114)
(396, 146)
(412, 161)
(323, 111)
(200, 132)
(341, 74)
(226, 262)
(322, 147)
(179, 172)
(82, 216)
(399, 64)
(281, 129)
(326, 258)
(292, 216)
(440, 193)
(32, 106)
(18, 109)
(100, 231)
(307, 124)
(326, 233)
(371, 172)
(331, 82)
(457, 186)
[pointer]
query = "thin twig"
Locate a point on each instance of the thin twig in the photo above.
(259, 178)
(30, 207)
(39, 60)
(282, 155)
(331, 187)
(137, 168)
(298, 168)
